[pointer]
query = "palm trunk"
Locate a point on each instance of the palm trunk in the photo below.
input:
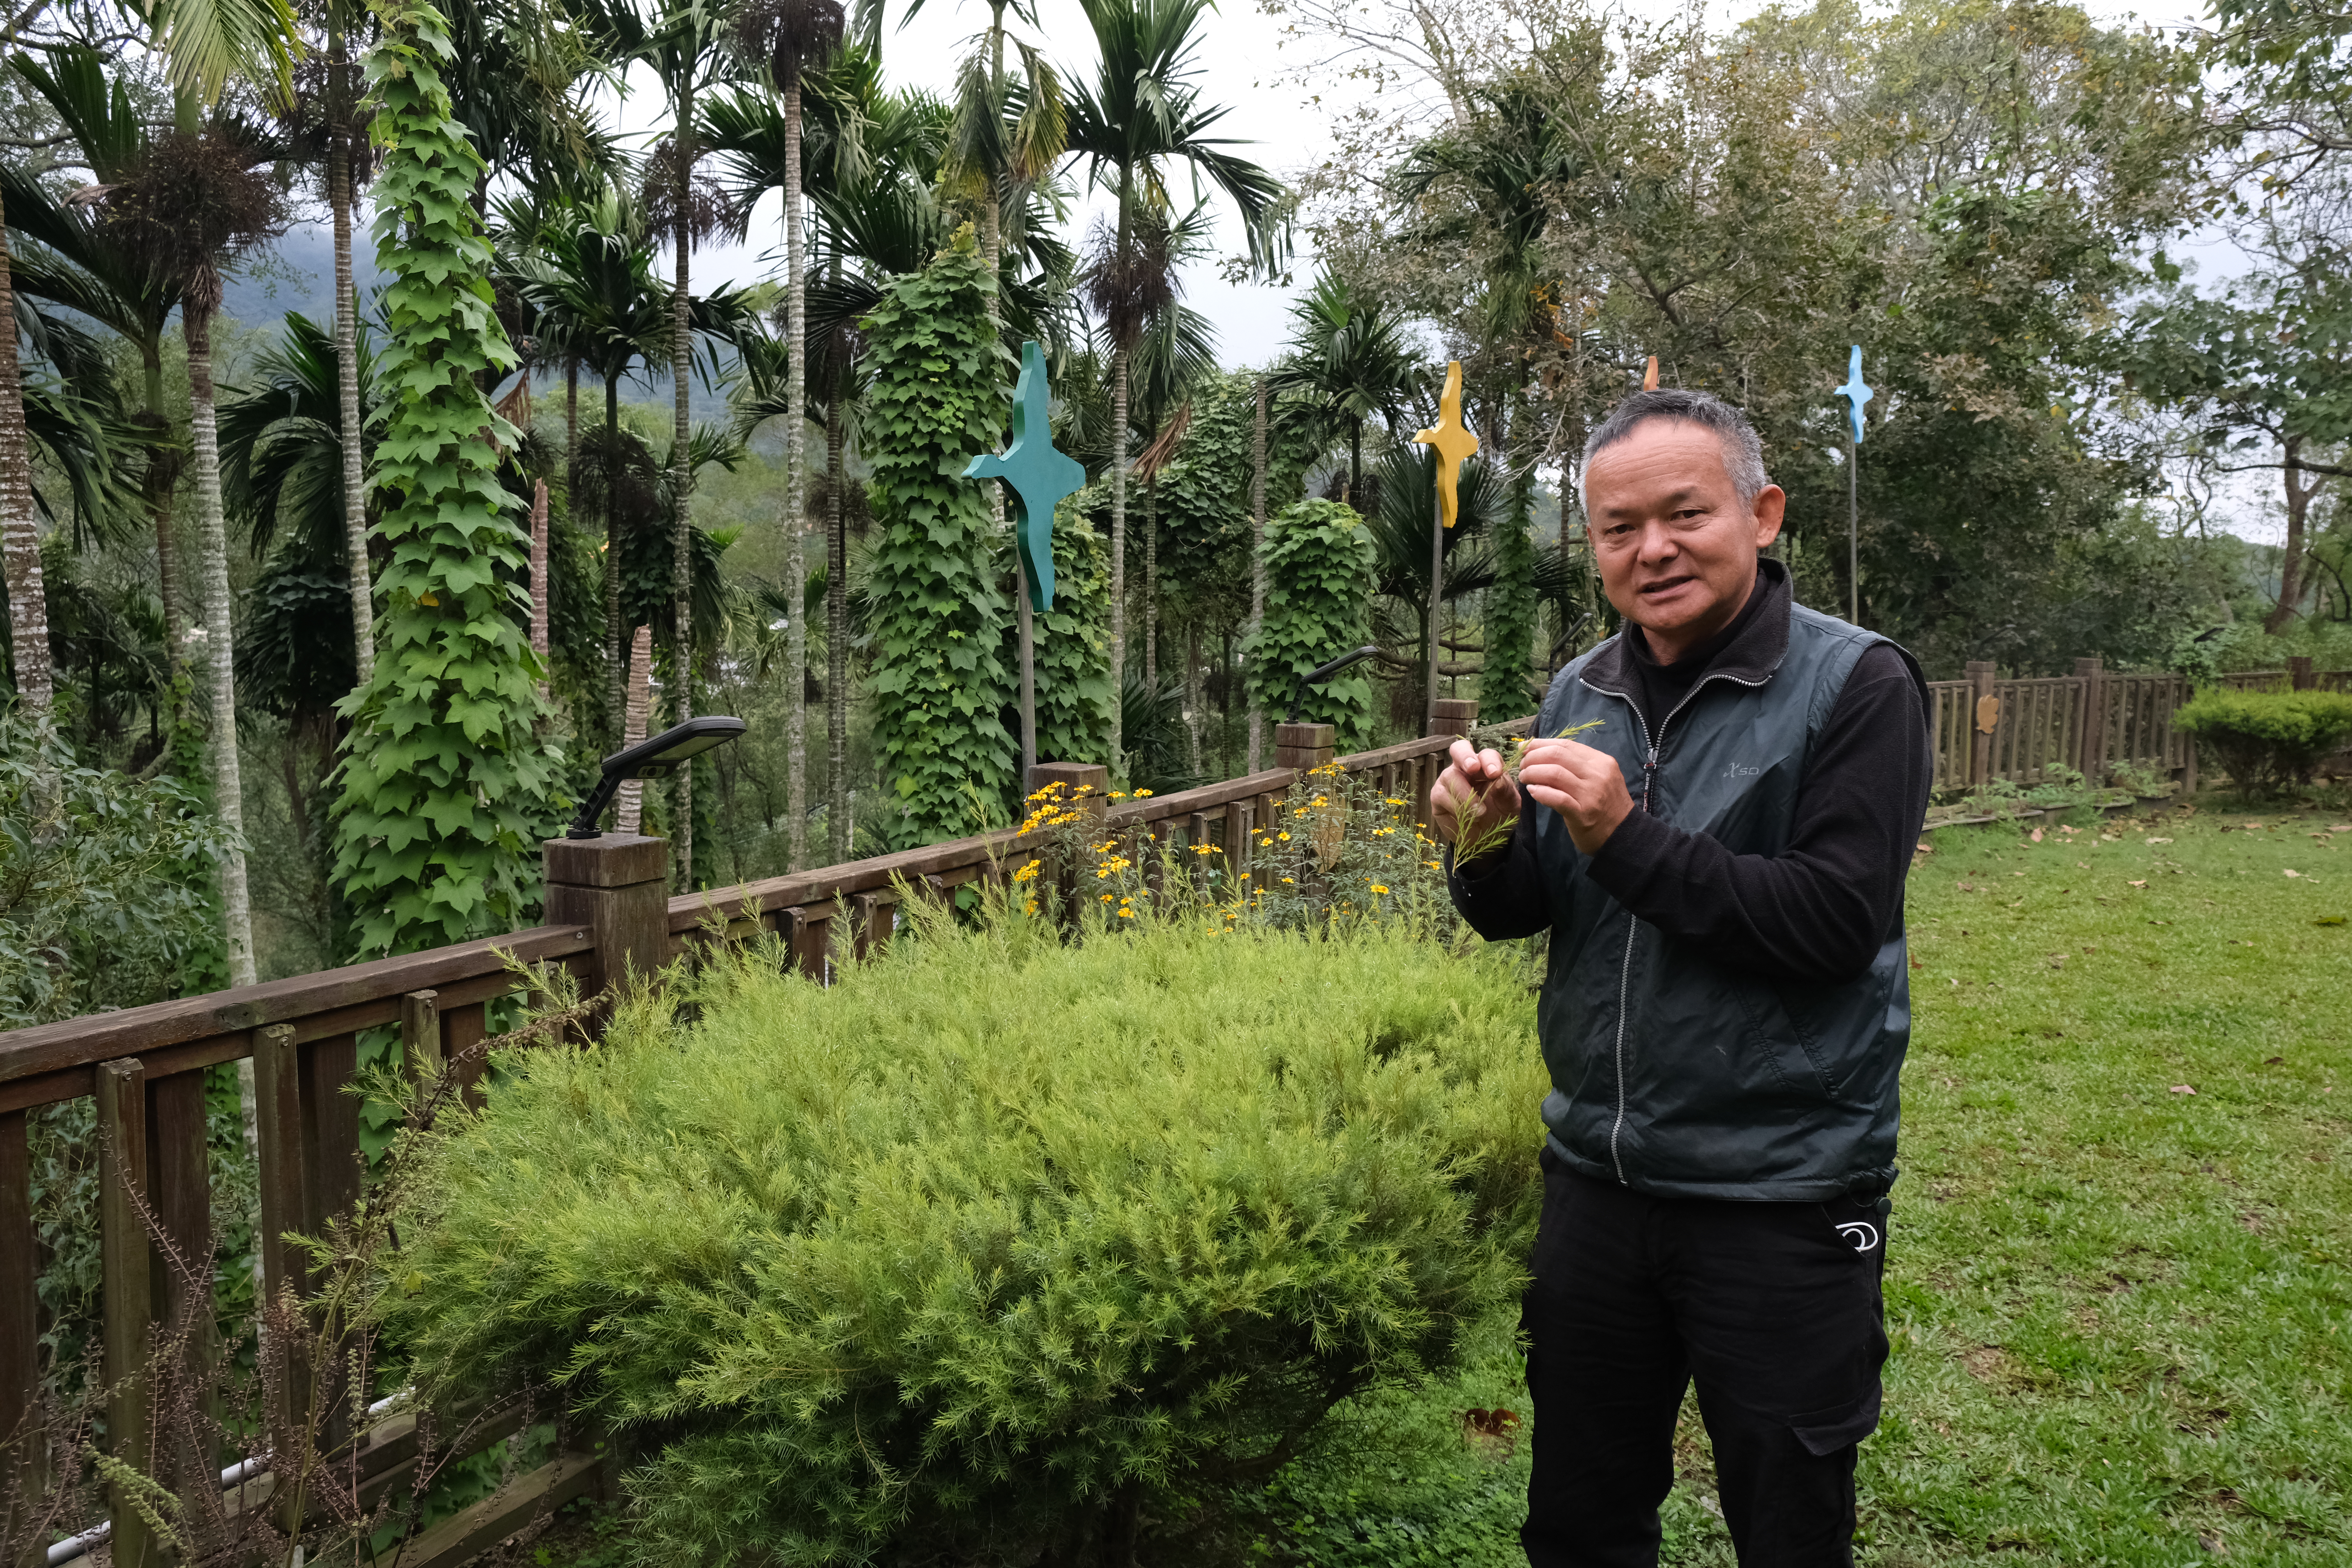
(795, 492)
(570, 434)
(681, 485)
(347, 376)
(228, 804)
(1118, 549)
(20, 539)
(629, 800)
(156, 489)
(1195, 697)
(614, 702)
(992, 250)
(1257, 570)
(2298, 512)
(836, 621)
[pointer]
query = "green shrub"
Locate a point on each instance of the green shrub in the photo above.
(2265, 740)
(998, 1245)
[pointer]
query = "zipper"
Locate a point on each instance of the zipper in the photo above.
(1650, 747)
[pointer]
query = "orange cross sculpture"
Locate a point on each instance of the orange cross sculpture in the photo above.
(1452, 440)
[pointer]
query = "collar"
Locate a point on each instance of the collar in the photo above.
(1749, 658)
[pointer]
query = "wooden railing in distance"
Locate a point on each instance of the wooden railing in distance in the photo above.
(609, 913)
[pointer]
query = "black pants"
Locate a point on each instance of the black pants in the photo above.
(1773, 1308)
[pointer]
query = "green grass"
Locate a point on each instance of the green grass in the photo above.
(2122, 1316)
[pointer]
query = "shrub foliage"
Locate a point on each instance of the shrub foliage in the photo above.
(2266, 740)
(1318, 594)
(997, 1247)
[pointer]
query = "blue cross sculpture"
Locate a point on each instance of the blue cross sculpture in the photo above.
(1039, 476)
(1855, 392)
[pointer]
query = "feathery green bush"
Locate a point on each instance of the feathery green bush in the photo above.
(998, 1245)
(2266, 740)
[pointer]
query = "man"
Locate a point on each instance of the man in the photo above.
(1720, 864)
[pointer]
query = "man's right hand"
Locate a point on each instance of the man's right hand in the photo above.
(1458, 809)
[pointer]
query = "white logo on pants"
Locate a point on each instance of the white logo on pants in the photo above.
(1863, 1237)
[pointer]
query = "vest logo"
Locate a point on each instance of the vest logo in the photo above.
(1741, 771)
(1862, 1237)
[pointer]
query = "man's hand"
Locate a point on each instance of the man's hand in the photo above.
(1582, 785)
(1458, 809)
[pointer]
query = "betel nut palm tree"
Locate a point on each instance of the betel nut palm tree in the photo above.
(1140, 116)
(782, 41)
(1349, 361)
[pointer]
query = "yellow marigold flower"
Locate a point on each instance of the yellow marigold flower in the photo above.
(1285, 878)
(1105, 898)
(1119, 794)
(1378, 889)
(1127, 914)
(1286, 838)
(1027, 873)
(1143, 795)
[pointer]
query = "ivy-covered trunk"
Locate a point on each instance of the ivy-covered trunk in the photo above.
(836, 627)
(347, 364)
(446, 787)
(1257, 571)
(1319, 567)
(1118, 362)
(20, 542)
(795, 494)
(1510, 618)
(681, 487)
(940, 682)
(220, 641)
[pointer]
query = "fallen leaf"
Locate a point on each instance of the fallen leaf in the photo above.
(2214, 1544)
(1915, 964)
(2057, 961)
(1967, 887)
(2082, 865)
(2139, 884)
(2292, 872)
(2328, 920)
(2272, 1061)
(2035, 836)
(2182, 1088)
(2340, 827)
(2160, 841)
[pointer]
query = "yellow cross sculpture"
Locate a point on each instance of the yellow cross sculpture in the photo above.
(1452, 440)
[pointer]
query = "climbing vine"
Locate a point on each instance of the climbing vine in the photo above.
(1073, 692)
(445, 786)
(940, 679)
(1318, 598)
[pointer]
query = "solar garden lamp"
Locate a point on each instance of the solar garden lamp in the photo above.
(655, 755)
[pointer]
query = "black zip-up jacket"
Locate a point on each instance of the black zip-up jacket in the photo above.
(1725, 1008)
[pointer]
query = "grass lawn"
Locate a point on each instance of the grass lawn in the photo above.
(2121, 1310)
(2118, 1288)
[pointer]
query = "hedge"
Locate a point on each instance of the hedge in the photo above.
(2266, 740)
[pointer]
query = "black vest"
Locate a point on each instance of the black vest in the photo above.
(1670, 1073)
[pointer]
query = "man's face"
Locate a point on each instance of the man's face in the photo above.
(1676, 548)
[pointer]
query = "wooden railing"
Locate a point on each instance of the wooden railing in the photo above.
(608, 911)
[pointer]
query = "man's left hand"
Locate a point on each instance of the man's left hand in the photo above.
(1584, 785)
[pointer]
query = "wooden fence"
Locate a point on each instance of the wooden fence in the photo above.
(608, 910)
(2091, 723)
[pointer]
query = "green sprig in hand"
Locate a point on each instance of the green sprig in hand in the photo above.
(1499, 834)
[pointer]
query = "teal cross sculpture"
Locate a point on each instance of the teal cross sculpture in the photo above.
(1040, 476)
(1855, 392)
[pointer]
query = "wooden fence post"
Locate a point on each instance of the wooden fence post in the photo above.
(24, 1441)
(126, 1268)
(1305, 746)
(2299, 676)
(617, 885)
(2090, 727)
(1983, 714)
(1453, 715)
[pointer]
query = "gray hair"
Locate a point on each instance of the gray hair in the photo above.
(1743, 453)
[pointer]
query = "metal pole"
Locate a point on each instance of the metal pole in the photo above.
(1436, 589)
(1028, 671)
(1853, 528)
